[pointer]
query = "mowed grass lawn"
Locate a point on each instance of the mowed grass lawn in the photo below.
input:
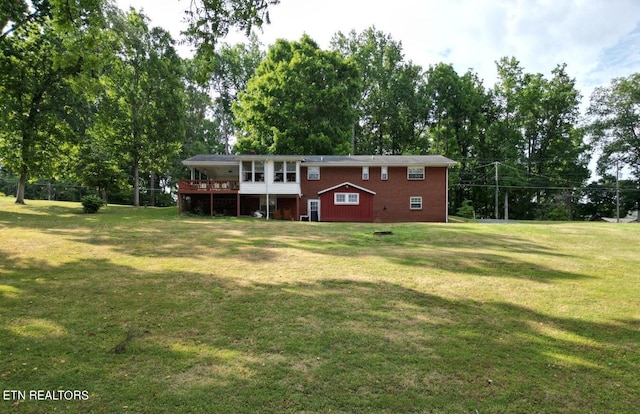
(149, 312)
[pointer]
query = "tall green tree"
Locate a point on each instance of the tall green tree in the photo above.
(140, 112)
(299, 102)
(388, 101)
(203, 130)
(456, 122)
(226, 73)
(542, 147)
(39, 106)
(614, 124)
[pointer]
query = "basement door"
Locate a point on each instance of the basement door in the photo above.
(314, 210)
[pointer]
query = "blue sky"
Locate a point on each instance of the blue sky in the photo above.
(597, 39)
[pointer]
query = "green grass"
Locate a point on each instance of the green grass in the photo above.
(154, 313)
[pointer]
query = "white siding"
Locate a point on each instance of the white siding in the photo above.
(270, 186)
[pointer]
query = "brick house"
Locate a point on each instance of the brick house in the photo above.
(380, 188)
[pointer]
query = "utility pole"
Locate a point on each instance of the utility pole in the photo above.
(506, 205)
(497, 192)
(617, 191)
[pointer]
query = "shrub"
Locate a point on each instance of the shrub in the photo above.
(466, 210)
(91, 204)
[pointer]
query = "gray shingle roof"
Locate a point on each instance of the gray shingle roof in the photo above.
(329, 160)
(390, 160)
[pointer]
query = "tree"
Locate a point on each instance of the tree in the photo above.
(37, 99)
(614, 124)
(140, 112)
(210, 20)
(203, 130)
(299, 102)
(388, 102)
(602, 198)
(456, 123)
(226, 73)
(532, 132)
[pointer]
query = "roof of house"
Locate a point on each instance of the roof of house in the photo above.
(380, 160)
(328, 160)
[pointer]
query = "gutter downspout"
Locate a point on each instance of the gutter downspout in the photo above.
(266, 181)
(446, 204)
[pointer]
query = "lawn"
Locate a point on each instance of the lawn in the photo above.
(142, 311)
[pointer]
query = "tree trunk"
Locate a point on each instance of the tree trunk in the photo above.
(136, 184)
(568, 201)
(21, 185)
(152, 189)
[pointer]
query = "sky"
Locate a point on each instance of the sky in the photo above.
(598, 39)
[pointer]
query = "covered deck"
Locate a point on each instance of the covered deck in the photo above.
(218, 197)
(214, 196)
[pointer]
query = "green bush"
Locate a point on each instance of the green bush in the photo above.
(91, 204)
(466, 210)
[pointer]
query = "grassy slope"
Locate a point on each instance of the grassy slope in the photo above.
(150, 312)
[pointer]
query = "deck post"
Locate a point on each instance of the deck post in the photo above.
(297, 207)
(238, 205)
(211, 202)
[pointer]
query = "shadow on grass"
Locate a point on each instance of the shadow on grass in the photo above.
(199, 343)
(151, 233)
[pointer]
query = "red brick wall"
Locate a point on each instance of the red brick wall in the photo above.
(391, 202)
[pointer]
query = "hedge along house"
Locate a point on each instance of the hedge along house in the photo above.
(381, 188)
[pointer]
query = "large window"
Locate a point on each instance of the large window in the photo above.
(291, 172)
(259, 171)
(415, 173)
(247, 171)
(252, 171)
(284, 172)
(278, 172)
(415, 203)
(313, 173)
(346, 198)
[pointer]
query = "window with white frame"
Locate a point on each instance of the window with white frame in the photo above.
(252, 171)
(285, 172)
(384, 173)
(258, 167)
(346, 198)
(291, 174)
(247, 171)
(415, 173)
(313, 173)
(415, 203)
(278, 172)
(365, 173)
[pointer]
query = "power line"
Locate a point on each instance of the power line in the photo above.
(531, 187)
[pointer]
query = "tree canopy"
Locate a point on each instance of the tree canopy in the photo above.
(614, 115)
(387, 104)
(39, 103)
(300, 101)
